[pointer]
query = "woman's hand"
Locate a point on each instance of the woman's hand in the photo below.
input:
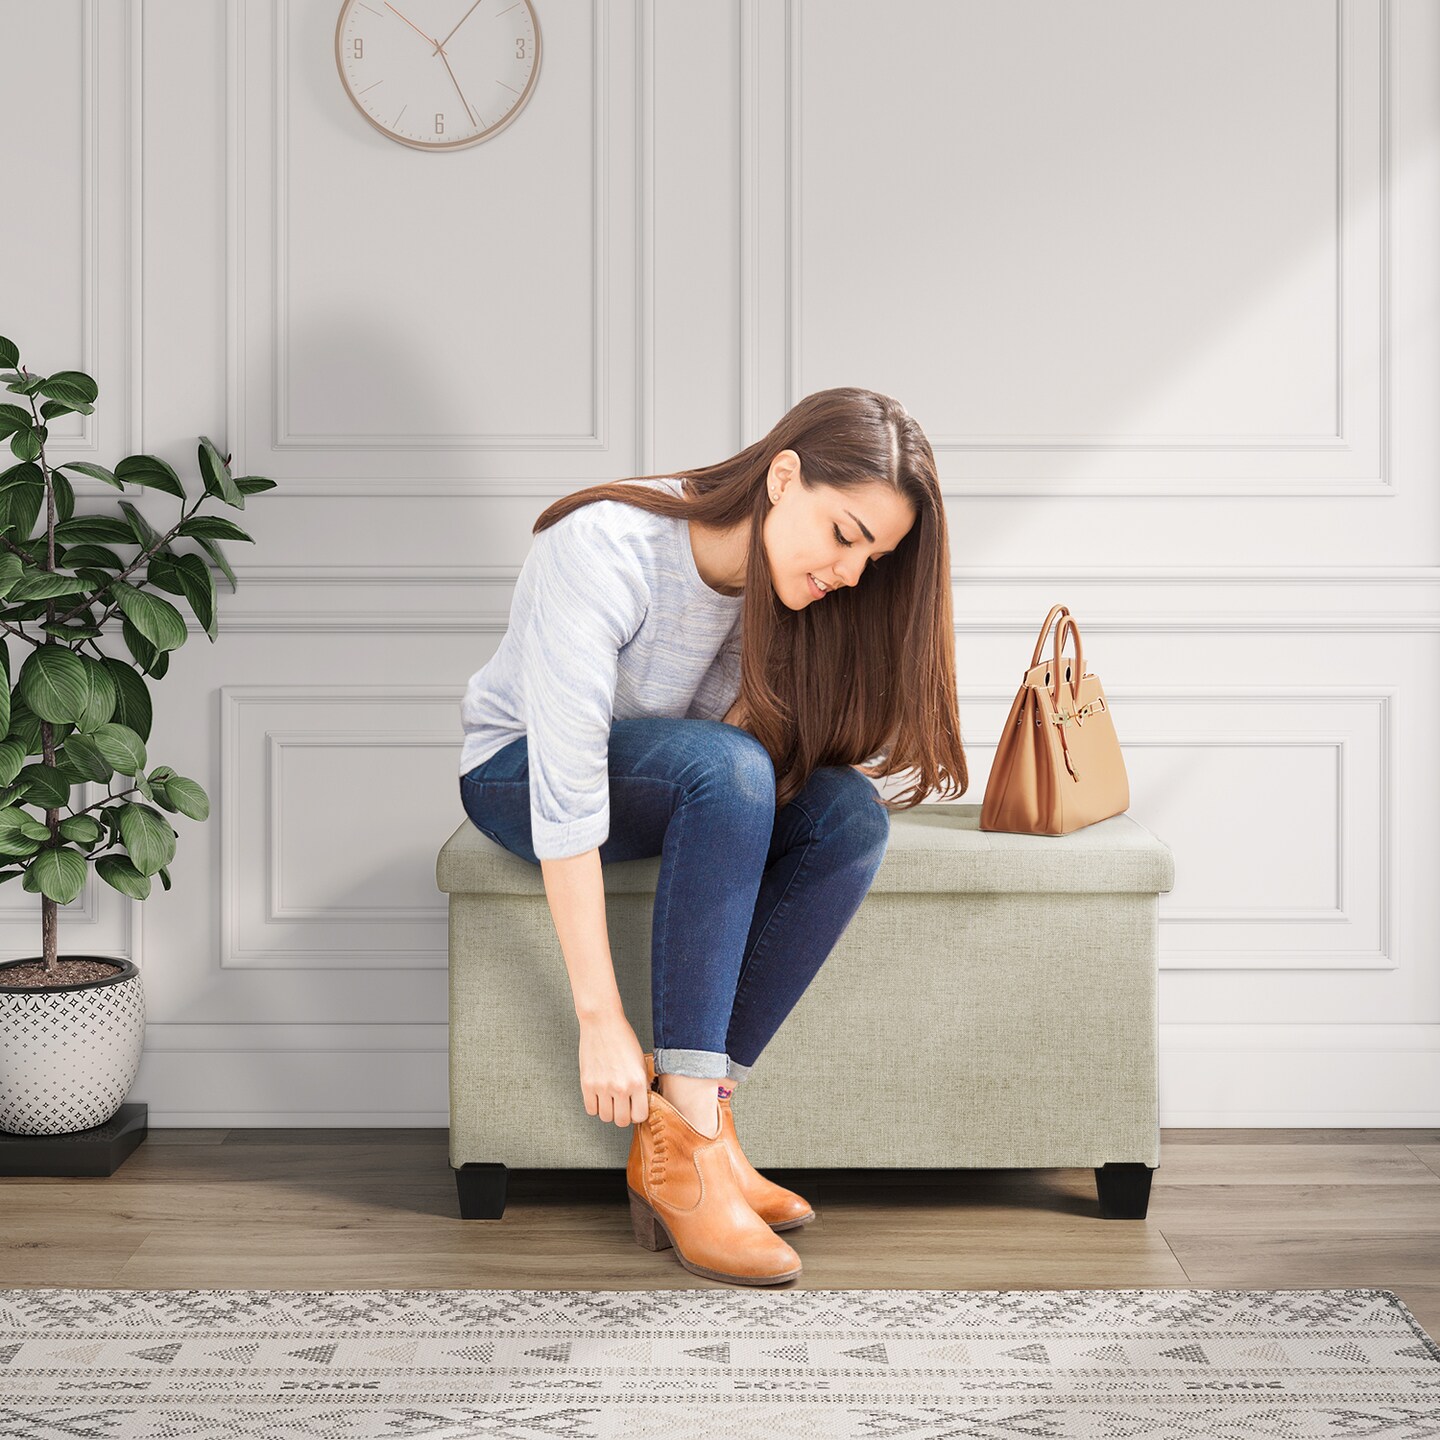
(612, 1070)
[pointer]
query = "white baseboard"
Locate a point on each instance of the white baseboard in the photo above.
(1322, 1076)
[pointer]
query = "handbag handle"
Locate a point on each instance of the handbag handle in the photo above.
(1068, 623)
(1040, 639)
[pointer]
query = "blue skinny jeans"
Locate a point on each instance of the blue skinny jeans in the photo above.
(748, 902)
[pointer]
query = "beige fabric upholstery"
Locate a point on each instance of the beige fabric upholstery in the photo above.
(992, 1004)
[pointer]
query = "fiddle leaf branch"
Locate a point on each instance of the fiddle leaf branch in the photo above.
(72, 713)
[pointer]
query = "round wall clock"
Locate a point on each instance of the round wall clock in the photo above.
(433, 74)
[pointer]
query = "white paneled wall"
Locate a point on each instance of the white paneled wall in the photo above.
(1159, 282)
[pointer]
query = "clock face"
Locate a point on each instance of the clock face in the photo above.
(438, 74)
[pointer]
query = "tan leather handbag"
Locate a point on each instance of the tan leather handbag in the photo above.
(1058, 765)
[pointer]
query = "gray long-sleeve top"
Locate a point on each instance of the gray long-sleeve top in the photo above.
(610, 619)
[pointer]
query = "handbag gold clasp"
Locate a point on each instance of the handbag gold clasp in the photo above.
(1078, 716)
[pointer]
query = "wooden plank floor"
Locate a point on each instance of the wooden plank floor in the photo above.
(349, 1210)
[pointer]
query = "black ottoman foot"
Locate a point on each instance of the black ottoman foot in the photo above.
(1124, 1189)
(482, 1189)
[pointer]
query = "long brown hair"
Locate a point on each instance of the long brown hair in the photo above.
(874, 666)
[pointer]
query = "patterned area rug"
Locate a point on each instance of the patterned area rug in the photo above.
(701, 1364)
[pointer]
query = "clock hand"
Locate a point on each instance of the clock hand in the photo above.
(458, 24)
(474, 118)
(418, 30)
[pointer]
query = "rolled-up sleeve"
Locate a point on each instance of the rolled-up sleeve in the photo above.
(580, 597)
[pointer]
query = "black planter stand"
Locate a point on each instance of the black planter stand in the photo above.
(97, 1151)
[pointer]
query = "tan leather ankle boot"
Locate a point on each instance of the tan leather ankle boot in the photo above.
(684, 1193)
(779, 1208)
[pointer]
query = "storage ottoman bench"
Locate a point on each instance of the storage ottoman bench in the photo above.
(991, 1005)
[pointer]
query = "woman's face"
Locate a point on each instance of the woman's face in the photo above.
(827, 533)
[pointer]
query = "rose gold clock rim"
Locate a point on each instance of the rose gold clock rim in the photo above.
(495, 129)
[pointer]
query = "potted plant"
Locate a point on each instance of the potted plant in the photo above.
(72, 1027)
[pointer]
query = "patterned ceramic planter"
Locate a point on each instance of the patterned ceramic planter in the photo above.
(69, 1053)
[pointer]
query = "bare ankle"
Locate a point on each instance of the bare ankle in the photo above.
(697, 1099)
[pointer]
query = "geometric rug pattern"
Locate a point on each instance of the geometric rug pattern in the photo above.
(705, 1363)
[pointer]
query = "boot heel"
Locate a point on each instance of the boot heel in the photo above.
(649, 1232)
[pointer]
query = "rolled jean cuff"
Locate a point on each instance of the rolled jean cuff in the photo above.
(738, 1071)
(702, 1064)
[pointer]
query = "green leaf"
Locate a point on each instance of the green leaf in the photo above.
(198, 585)
(25, 473)
(116, 870)
(20, 503)
(70, 387)
(64, 497)
(163, 873)
(24, 726)
(13, 839)
(78, 557)
(156, 619)
(132, 697)
(150, 470)
(95, 472)
(58, 874)
(49, 409)
(188, 798)
(144, 787)
(94, 529)
(83, 829)
(11, 874)
(69, 630)
(45, 585)
(12, 756)
(44, 785)
(218, 556)
(145, 534)
(147, 836)
(122, 747)
(146, 655)
(218, 480)
(101, 704)
(13, 418)
(9, 353)
(161, 573)
(253, 484)
(86, 759)
(34, 827)
(213, 527)
(54, 683)
(26, 443)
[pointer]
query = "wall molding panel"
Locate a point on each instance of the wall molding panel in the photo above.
(1351, 458)
(272, 435)
(359, 825)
